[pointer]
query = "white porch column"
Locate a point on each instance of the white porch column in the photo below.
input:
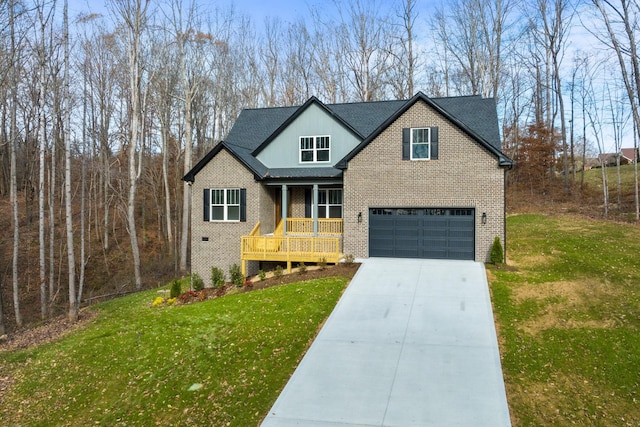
(314, 209)
(285, 204)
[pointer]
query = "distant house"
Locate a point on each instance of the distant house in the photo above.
(611, 159)
(417, 178)
(631, 155)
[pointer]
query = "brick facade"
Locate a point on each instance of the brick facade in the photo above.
(465, 175)
(223, 246)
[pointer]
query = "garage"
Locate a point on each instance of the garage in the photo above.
(435, 233)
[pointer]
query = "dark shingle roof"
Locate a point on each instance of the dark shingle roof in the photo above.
(475, 115)
(478, 113)
(253, 126)
(304, 173)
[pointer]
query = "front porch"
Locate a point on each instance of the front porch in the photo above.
(295, 240)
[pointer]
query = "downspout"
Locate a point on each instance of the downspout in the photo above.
(504, 207)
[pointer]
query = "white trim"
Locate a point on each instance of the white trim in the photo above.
(421, 143)
(328, 205)
(225, 205)
(314, 149)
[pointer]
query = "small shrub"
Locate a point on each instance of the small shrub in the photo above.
(278, 271)
(197, 282)
(188, 296)
(158, 301)
(235, 275)
(262, 275)
(217, 277)
(302, 268)
(497, 253)
(323, 263)
(349, 259)
(171, 301)
(176, 289)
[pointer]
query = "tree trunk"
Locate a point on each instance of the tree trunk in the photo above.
(13, 178)
(83, 190)
(42, 142)
(186, 200)
(71, 257)
(165, 181)
(635, 171)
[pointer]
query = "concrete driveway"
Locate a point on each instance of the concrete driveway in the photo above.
(410, 343)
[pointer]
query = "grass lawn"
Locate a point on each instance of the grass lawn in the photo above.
(568, 318)
(567, 309)
(220, 362)
(593, 177)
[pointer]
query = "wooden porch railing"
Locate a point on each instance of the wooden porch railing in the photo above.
(305, 226)
(289, 249)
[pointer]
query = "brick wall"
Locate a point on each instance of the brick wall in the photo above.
(465, 175)
(223, 246)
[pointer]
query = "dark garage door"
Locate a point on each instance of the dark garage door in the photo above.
(422, 233)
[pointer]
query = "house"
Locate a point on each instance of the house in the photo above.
(631, 155)
(417, 178)
(611, 159)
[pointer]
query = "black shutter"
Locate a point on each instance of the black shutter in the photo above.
(406, 144)
(307, 203)
(434, 143)
(206, 204)
(243, 205)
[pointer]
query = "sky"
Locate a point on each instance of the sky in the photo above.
(287, 10)
(257, 9)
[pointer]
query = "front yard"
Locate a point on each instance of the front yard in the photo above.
(568, 318)
(220, 362)
(567, 310)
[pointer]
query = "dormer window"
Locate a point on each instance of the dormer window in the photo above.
(314, 149)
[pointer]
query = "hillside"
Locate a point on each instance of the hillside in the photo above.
(109, 272)
(585, 200)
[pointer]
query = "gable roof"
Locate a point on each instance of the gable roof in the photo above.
(256, 128)
(479, 114)
(312, 101)
(629, 153)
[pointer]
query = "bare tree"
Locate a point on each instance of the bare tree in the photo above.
(13, 178)
(619, 117)
(193, 62)
(134, 17)
(165, 85)
(71, 258)
(270, 56)
(473, 33)
(620, 36)
(593, 111)
(298, 78)
(43, 19)
(363, 41)
(402, 70)
(555, 21)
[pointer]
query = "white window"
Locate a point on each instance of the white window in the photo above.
(225, 204)
(314, 149)
(420, 143)
(330, 203)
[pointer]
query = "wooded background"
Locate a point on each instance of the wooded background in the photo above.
(102, 114)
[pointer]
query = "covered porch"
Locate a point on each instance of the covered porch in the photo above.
(315, 237)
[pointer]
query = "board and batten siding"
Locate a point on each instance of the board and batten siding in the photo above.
(283, 151)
